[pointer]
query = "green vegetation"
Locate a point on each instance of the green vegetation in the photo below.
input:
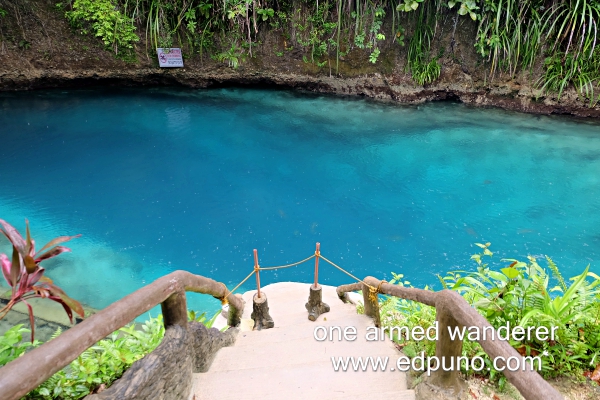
(232, 57)
(106, 21)
(423, 68)
(101, 364)
(510, 36)
(520, 294)
(12, 345)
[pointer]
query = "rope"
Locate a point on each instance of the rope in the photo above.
(350, 275)
(227, 292)
(373, 291)
(256, 269)
(287, 265)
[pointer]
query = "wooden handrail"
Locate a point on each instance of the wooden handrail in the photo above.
(24, 374)
(452, 310)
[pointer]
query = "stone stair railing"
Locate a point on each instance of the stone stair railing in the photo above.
(452, 310)
(22, 375)
(186, 347)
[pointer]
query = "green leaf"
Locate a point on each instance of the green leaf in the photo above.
(511, 273)
(477, 258)
(483, 304)
(410, 351)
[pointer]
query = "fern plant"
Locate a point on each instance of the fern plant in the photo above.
(521, 294)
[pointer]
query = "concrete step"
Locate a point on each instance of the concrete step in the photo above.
(287, 304)
(335, 317)
(265, 393)
(375, 395)
(287, 362)
(401, 395)
(287, 308)
(303, 381)
(300, 351)
(288, 296)
(304, 330)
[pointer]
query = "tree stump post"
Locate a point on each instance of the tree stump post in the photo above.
(260, 312)
(315, 305)
(371, 301)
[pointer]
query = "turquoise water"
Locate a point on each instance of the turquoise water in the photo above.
(161, 179)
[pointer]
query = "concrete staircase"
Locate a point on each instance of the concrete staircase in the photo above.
(287, 362)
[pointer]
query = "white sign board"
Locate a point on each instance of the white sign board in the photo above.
(169, 58)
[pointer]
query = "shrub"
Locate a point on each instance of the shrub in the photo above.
(12, 345)
(101, 364)
(519, 294)
(105, 20)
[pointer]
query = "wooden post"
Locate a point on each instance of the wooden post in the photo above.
(447, 351)
(257, 272)
(317, 254)
(371, 304)
(174, 310)
(315, 305)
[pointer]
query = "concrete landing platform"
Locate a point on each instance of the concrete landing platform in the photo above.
(287, 362)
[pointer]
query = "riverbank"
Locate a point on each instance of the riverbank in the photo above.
(394, 87)
(41, 50)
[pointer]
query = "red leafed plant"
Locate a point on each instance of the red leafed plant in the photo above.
(23, 272)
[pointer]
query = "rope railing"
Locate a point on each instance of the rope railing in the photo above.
(257, 268)
(288, 265)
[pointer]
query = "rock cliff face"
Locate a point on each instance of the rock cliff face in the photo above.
(53, 55)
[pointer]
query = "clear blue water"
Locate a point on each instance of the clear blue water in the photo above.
(162, 179)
